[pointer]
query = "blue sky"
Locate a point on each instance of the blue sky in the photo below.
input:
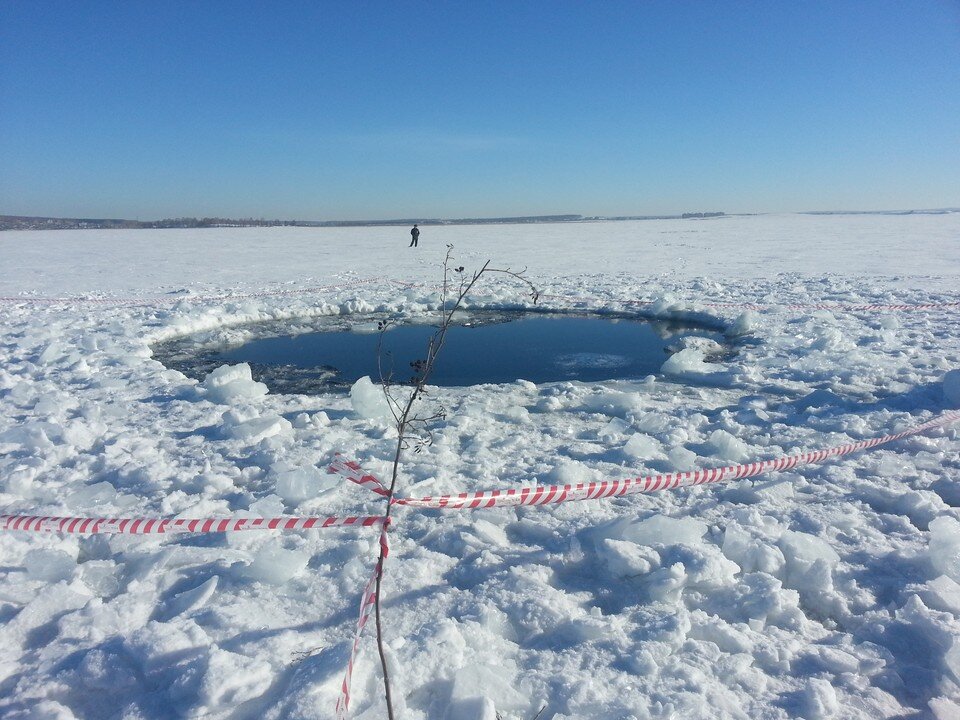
(349, 110)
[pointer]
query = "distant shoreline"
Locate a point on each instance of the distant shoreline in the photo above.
(23, 222)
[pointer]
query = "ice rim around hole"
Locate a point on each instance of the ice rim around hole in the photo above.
(696, 343)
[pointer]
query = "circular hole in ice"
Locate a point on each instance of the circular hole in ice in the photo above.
(331, 353)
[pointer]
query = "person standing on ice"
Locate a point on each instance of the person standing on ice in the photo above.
(414, 236)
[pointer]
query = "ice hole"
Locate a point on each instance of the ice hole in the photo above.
(481, 347)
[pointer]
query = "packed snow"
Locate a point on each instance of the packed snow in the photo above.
(827, 591)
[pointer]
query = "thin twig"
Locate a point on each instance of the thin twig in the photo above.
(403, 411)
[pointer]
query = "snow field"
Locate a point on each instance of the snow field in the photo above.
(826, 591)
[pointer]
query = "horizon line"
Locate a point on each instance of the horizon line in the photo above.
(561, 217)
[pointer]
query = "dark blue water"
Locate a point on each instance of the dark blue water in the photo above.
(541, 348)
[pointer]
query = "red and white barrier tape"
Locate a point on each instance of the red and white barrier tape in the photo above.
(840, 307)
(553, 494)
(367, 605)
(354, 473)
(162, 526)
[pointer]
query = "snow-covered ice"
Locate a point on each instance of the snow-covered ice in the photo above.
(229, 383)
(827, 591)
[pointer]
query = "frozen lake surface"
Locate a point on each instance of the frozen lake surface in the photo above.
(826, 591)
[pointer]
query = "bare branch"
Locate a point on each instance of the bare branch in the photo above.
(407, 421)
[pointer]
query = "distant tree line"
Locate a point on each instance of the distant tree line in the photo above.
(190, 222)
(19, 222)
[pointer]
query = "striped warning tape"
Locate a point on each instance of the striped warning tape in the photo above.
(161, 526)
(367, 604)
(353, 472)
(553, 494)
(839, 307)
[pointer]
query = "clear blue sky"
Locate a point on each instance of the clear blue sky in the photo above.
(344, 110)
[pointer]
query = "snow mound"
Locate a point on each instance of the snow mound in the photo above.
(231, 679)
(569, 472)
(750, 553)
(190, 600)
(295, 484)
(627, 559)
(819, 700)
(747, 322)
(810, 564)
(49, 565)
(688, 361)
(613, 403)
(728, 447)
(664, 556)
(944, 708)
(202, 678)
(705, 345)
(641, 445)
(247, 424)
(229, 383)
(368, 400)
(686, 567)
(275, 565)
(682, 459)
(469, 694)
